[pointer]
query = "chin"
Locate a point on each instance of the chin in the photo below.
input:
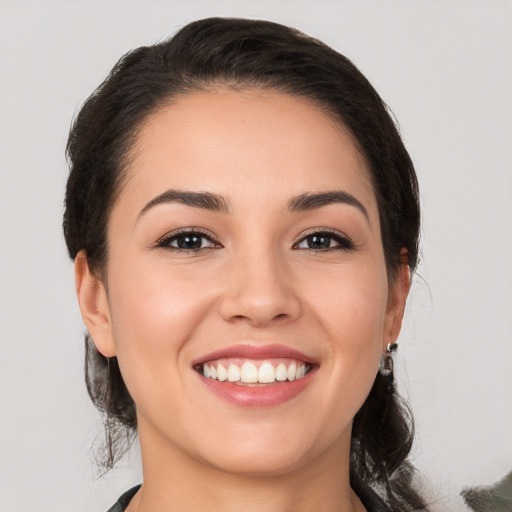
(271, 451)
(260, 464)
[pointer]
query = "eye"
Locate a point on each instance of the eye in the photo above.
(324, 240)
(188, 241)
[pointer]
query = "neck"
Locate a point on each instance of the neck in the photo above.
(176, 482)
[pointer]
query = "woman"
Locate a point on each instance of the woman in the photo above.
(244, 220)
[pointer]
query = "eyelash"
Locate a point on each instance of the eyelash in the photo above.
(167, 239)
(344, 242)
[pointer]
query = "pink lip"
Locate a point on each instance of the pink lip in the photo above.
(264, 396)
(257, 396)
(244, 351)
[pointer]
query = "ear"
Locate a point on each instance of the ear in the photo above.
(398, 291)
(93, 301)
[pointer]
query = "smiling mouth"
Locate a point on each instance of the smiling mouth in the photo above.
(254, 373)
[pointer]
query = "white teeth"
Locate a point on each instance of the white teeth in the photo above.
(281, 372)
(233, 373)
(222, 373)
(266, 373)
(292, 371)
(249, 373)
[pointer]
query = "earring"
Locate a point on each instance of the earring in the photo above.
(386, 361)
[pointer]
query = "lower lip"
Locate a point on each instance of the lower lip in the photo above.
(258, 396)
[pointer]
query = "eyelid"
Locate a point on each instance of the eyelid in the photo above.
(164, 240)
(344, 240)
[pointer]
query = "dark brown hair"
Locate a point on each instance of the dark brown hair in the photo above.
(242, 53)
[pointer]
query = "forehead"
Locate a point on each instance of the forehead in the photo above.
(253, 145)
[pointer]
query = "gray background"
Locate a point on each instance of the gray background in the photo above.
(444, 67)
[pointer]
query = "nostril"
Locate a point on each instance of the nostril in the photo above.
(259, 305)
(254, 318)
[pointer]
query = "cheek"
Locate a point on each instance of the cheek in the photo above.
(155, 313)
(351, 312)
(350, 303)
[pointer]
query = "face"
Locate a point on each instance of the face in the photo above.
(246, 294)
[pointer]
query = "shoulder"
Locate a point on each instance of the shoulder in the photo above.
(121, 504)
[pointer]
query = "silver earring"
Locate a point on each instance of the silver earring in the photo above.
(386, 361)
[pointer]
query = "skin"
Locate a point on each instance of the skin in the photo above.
(158, 309)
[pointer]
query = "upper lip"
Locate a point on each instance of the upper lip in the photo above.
(255, 351)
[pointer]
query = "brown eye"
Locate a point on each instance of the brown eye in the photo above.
(318, 242)
(324, 240)
(188, 241)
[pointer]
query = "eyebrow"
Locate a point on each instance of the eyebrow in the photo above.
(204, 200)
(214, 202)
(306, 202)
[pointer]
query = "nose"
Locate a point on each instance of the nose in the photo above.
(260, 291)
